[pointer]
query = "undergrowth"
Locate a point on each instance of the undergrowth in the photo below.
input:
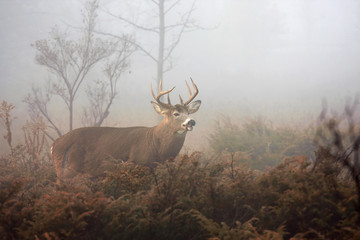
(185, 199)
(260, 144)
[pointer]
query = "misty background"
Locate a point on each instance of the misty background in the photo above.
(276, 59)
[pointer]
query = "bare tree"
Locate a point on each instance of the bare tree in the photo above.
(6, 121)
(69, 63)
(34, 144)
(101, 97)
(340, 137)
(167, 33)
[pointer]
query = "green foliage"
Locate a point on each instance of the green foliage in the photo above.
(261, 144)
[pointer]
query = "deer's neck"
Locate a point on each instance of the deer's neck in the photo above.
(169, 141)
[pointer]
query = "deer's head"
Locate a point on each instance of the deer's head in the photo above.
(177, 116)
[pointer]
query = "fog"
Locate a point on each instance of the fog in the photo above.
(278, 59)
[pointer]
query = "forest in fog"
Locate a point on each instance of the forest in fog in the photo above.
(271, 153)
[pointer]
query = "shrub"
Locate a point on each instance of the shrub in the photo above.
(184, 199)
(262, 144)
(69, 215)
(13, 212)
(127, 178)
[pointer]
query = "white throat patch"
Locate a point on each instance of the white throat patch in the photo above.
(181, 132)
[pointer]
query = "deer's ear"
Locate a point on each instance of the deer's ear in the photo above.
(158, 108)
(194, 106)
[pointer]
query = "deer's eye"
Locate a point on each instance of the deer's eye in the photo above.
(176, 114)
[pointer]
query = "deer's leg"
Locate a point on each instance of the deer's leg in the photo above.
(57, 160)
(73, 160)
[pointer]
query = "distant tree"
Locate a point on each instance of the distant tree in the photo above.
(69, 63)
(339, 136)
(168, 31)
(6, 121)
(102, 95)
(258, 143)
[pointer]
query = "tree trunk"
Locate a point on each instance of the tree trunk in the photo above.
(160, 60)
(71, 113)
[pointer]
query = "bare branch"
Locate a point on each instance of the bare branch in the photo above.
(342, 144)
(169, 66)
(138, 46)
(172, 6)
(155, 2)
(70, 62)
(184, 26)
(127, 21)
(102, 95)
(165, 48)
(34, 136)
(36, 99)
(6, 121)
(173, 26)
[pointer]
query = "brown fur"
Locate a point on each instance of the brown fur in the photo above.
(93, 150)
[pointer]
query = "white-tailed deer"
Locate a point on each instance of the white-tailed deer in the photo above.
(92, 150)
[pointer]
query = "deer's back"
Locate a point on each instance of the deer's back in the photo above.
(109, 140)
(88, 149)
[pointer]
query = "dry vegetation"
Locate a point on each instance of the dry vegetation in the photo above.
(194, 196)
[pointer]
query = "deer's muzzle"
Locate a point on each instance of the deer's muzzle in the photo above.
(189, 124)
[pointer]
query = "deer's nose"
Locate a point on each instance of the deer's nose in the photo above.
(191, 123)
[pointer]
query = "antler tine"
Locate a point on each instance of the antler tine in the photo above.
(160, 85)
(160, 90)
(187, 84)
(168, 98)
(152, 92)
(161, 93)
(192, 95)
(181, 100)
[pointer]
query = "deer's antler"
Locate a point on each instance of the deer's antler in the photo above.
(161, 93)
(192, 95)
